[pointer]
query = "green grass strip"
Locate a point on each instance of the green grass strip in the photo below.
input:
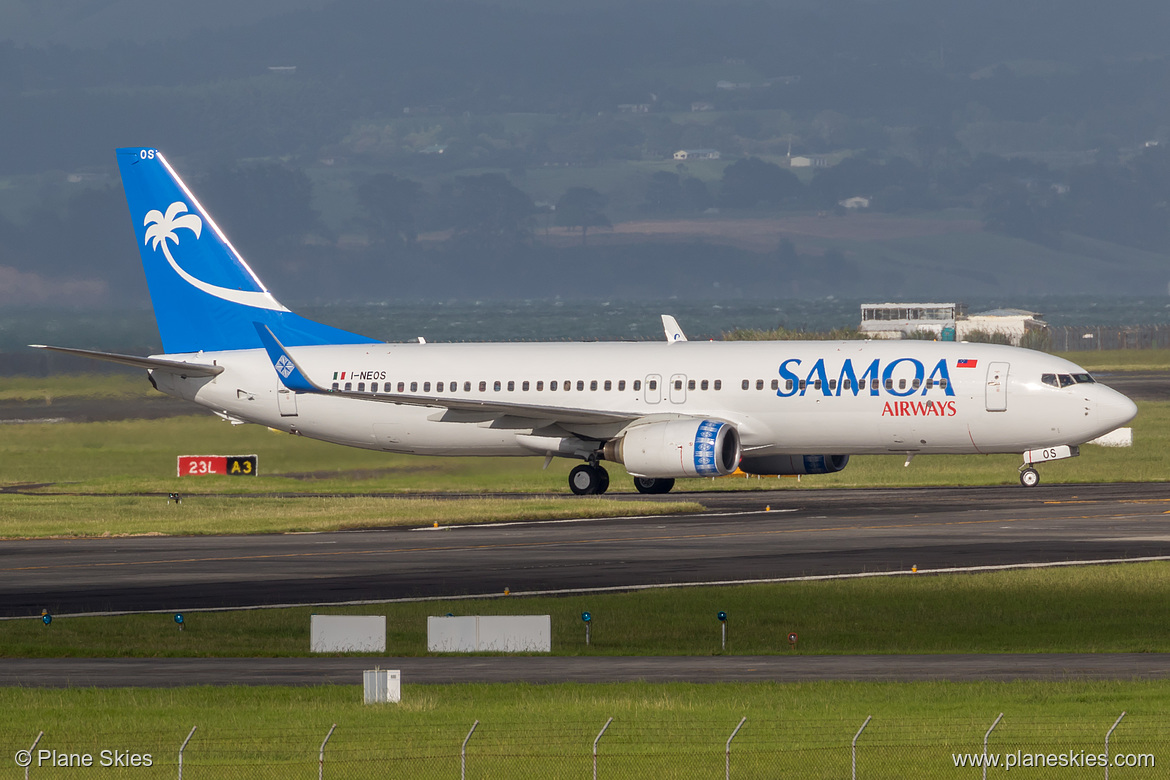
(676, 730)
(1120, 608)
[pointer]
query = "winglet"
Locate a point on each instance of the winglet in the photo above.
(673, 331)
(286, 368)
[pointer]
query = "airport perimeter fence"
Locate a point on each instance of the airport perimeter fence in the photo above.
(634, 745)
(1081, 338)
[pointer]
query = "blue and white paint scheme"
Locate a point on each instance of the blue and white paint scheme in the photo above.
(665, 410)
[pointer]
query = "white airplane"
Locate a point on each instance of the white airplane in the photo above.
(664, 410)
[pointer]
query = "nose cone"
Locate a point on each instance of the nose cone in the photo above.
(1113, 409)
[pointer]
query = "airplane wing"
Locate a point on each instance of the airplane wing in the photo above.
(179, 367)
(295, 378)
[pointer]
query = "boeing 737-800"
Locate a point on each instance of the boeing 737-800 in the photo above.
(664, 410)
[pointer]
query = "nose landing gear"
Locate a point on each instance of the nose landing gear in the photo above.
(1029, 477)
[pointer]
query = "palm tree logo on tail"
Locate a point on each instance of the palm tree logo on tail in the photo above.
(160, 231)
(161, 228)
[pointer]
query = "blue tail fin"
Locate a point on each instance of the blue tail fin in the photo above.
(205, 296)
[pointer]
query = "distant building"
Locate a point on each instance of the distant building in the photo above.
(697, 154)
(946, 321)
(856, 202)
(808, 161)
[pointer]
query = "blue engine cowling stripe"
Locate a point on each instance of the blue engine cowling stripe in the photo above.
(705, 455)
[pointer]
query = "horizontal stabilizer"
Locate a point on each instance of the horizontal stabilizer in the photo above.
(179, 367)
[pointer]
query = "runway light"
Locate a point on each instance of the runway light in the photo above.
(179, 620)
(507, 592)
(588, 624)
(46, 618)
(175, 497)
(586, 616)
(792, 640)
(914, 568)
(436, 524)
(722, 617)
(768, 508)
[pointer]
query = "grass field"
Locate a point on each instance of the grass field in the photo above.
(1088, 609)
(664, 731)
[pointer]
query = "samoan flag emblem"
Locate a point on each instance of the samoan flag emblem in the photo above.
(965, 363)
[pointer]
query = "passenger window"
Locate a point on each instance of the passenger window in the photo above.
(540, 385)
(567, 385)
(901, 384)
(608, 385)
(678, 384)
(336, 386)
(496, 385)
(348, 386)
(467, 387)
(873, 385)
(942, 383)
(593, 385)
(833, 384)
(401, 387)
(718, 384)
(426, 387)
(374, 387)
(524, 386)
(745, 384)
(917, 383)
(929, 383)
(788, 385)
(847, 384)
(775, 384)
(511, 385)
(621, 384)
(414, 387)
(361, 387)
(552, 385)
(483, 387)
(652, 384)
(803, 385)
(759, 384)
(691, 384)
(637, 385)
(816, 384)
(439, 387)
(703, 385)
(889, 384)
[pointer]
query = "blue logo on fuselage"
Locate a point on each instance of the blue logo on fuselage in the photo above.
(873, 379)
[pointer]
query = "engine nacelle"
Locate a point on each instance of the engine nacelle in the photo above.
(677, 448)
(787, 465)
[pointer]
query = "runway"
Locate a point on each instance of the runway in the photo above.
(805, 533)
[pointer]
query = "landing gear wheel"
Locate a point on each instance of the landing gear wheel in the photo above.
(1029, 477)
(588, 480)
(652, 486)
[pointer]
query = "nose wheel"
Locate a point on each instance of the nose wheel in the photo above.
(1029, 477)
(588, 480)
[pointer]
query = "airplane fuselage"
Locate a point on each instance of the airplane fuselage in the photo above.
(784, 397)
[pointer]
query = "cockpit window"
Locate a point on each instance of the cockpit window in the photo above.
(1050, 379)
(1083, 379)
(1066, 380)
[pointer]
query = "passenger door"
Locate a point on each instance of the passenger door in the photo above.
(997, 375)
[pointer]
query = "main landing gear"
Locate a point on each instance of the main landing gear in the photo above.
(589, 479)
(1029, 477)
(652, 486)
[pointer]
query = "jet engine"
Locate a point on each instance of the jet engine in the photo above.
(677, 448)
(776, 465)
